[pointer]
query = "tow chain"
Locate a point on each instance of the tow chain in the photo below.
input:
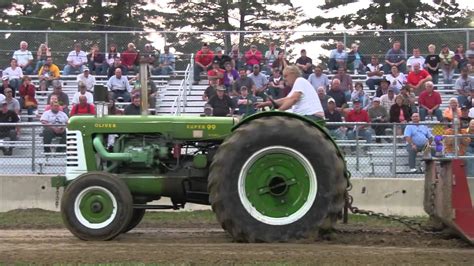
(56, 200)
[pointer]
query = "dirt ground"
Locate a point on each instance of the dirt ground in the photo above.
(192, 243)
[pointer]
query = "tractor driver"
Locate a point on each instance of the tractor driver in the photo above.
(302, 99)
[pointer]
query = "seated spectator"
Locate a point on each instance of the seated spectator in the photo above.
(202, 62)
(464, 85)
(166, 63)
(460, 58)
(24, 58)
(149, 56)
(355, 60)
(429, 102)
(270, 56)
(415, 58)
(134, 107)
(54, 122)
(464, 119)
(469, 102)
(417, 78)
(305, 64)
(230, 76)
(260, 81)
(319, 79)
(112, 108)
(87, 79)
(12, 76)
(8, 116)
(237, 57)
(63, 98)
(117, 64)
(13, 104)
(332, 115)
(253, 57)
(211, 90)
(448, 113)
(359, 93)
(245, 102)
(216, 73)
(448, 64)
(323, 97)
(346, 82)
(47, 73)
(2, 97)
(395, 57)
(130, 58)
(76, 60)
(97, 61)
(449, 142)
(83, 107)
(337, 58)
(409, 99)
(27, 96)
(222, 58)
(243, 80)
(374, 71)
(338, 95)
(41, 56)
(276, 85)
(432, 63)
(397, 79)
(383, 88)
(82, 92)
(357, 114)
(399, 113)
(222, 104)
(111, 55)
(417, 137)
(280, 63)
(52, 99)
(378, 114)
(119, 86)
(151, 88)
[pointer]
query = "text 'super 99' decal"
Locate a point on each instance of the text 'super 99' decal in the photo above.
(202, 126)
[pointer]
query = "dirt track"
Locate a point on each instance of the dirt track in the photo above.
(211, 245)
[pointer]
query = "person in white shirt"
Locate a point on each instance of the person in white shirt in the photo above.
(12, 76)
(87, 79)
(54, 126)
(319, 79)
(119, 86)
(302, 99)
(24, 58)
(374, 72)
(397, 79)
(82, 91)
(415, 58)
(75, 60)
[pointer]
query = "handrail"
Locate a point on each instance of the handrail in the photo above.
(184, 89)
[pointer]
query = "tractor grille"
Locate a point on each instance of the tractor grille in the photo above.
(72, 156)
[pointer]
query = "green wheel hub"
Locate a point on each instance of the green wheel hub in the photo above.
(95, 207)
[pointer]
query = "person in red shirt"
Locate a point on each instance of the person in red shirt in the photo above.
(202, 62)
(357, 114)
(82, 108)
(27, 97)
(429, 102)
(417, 78)
(253, 57)
(216, 73)
(129, 58)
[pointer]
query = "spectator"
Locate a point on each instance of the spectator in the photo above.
(395, 57)
(13, 104)
(230, 76)
(243, 80)
(119, 86)
(216, 73)
(82, 92)
(374, 71)
(346, 82)
(280, 63)
(76, 60)
(409, 99)
(417, 137)
(464, 119)
(449, 142)
(27, 97)
(470, 51)
(305, 64)
(400, 113)
(82, 107)
(397, 79)
(332, 115)
(202, 62)
(338, 95)
(8, 116)
(245, 102)
(211, 90)
(324, 98)
(470, 100)
(387, 100)
(383, 88)
(236, 56)
(447, 64)
(52, 99)
(429, 102)
(63, 98)
(149, 56)
(417, 78)
(24, 58)
(2, 97)
(253, 57)
(378, 114)
(359, 93)
(134, 107)
(47, 73)
(130, 58)
(151, 90)
(97, 61)
(337, 58)
(415, 58)
(276, 85)
(166, 63)
(432, 63)
(319, 79)
(117, 64)
(12, 76)
(460, 58)
(470, 150)
(111, 55)
(357, 114)
(221, 58)
(112, 108)
(448, 113)
(355, 60)
(54, 122)
(270, 56)
(41, 56)
(260, 81)
(464, 85)
(222, 104)
(87, 79)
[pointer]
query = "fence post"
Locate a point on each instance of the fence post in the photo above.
(394, 165)
(467, 38)
(33, 152)
(345, 38)
(357, 146)
(46, 39)
(106, 43)
(405, 39)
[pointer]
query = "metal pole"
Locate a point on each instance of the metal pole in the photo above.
(394, 156)
(33, 153)
(467, 39)
(456, 132)
(405, 36)
(345, 38)
(357, 147)
(144, 88)
(106, 43)
(46, 39)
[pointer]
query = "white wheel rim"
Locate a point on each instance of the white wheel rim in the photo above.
(83, 220)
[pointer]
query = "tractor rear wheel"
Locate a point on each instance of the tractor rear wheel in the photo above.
(97, 206)
(137, 217)
(277, 179)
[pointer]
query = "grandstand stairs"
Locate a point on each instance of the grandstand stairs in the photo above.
(194, 105)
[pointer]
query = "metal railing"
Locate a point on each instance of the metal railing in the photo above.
(185, 87)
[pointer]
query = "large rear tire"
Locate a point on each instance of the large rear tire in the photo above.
(97, 206)
(277, 179)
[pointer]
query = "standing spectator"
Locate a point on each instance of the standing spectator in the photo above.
(202, 62)
(211, 90)
(82, 107)
(221, 58)
(400, 113)
(222, 104)
(449, 112)
(460, 58)
(357, 114)
(24, 58)
(395, 57)
(374, 71)
(416, 136)
(41, 56)
(324, 98)
(13, 104)
(47, 73)
(27, 97)
(337, 58)
(260, 81)
(97, 61)
(111, 55)
(119, 86)
(130, 58)
(417, 78)
(447, 64)
(464, 85)
(8, 116)
(332, 115)
(378, 114)
(346, 82)
(54, 122)
(397, 79)
(63, 98)
(76, 60)
(305, 64)
(415, 58)
(82, 92)
(166, 63)
(230, 76)
(270, 56)
(429, 102)
(432, 63)
(338, 95)
(117, 64)
(276, 85)
(383, 88)
(243, 80)
(387, 100)
(245, 102)
(319, 79)
(87, 79)
(280, 63)
(134, 107)
(359, 93)
(12, 76)
(236, 56)
(355, 60)
(253, 57)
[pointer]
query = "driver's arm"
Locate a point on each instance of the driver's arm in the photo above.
(287, 102)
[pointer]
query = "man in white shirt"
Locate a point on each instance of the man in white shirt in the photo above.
(319, 79)
(374, 72)
(87, 79)
(75, 60)
(82, 91)
(119, 86)
(51, 119)
(24, 58)
(260, 81)
(415, 58)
